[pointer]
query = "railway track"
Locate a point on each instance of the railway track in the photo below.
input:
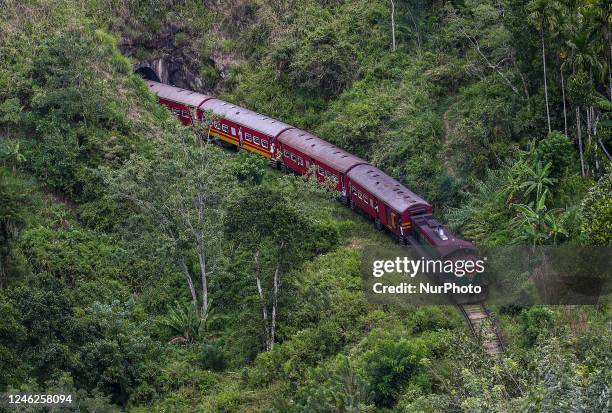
(483, 327)
(480, 320)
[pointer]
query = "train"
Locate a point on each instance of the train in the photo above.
(360, 185)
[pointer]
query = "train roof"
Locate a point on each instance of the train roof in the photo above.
(441, 238)
(320, 150)
(262, 123)
(387, 189)
(177, 94)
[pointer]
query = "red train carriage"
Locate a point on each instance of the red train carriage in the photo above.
(304, 153)
(385, 200)
(244, 128)
(183, 103)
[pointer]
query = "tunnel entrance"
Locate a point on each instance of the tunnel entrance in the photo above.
(147, 73)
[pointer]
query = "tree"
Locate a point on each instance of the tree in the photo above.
(272, 233)
(393, 24)
(544, 15)
(596, 211)
(182, 188)
(557, 150)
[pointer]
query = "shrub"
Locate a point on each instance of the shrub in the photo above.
(213, 357)
(558, 150)
(535, 323)
(596, 213)
(390, 365)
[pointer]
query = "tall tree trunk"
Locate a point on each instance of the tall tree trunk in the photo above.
(200, 247)
(545, 84)
(563, 96)
(393, 23)
(2, 271)
(588, 119)
(194, 296)
(262, 301)
(203, 274)
(274, 306)
(579, 133)
(610, 73)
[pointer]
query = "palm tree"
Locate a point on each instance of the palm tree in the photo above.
(583, 58)
(583, 52)
(545, 16)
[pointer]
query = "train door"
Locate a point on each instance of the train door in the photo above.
(392, 219)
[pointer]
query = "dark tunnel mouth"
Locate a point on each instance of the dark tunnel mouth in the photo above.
(147, 73)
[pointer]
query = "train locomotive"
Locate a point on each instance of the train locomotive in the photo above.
(363, 187)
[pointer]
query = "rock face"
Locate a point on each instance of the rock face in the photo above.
(172, 70)
(169, 57)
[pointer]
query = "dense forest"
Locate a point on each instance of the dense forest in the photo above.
(127, 280)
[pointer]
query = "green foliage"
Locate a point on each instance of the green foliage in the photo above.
(556, 150)
(212, 357)
(249, 168)
(390, 364)
(117, 358)
(60, 100)
(184, 323)
(11, 332)
(484, 216)
(536, 322)
(338, 387)
(561, 389)
(73, 255)
(596, 211)
(14, 198)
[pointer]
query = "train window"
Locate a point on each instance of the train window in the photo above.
(264, 143)
(359, 194)
(286, 153)
(321, 171)
(255, 140)
(365, 198)
(300, 161)
(224, 127)
(234, 131)
(216, 124)
(293, 158)
(248, 137)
